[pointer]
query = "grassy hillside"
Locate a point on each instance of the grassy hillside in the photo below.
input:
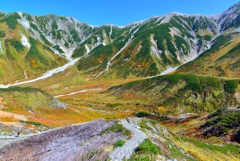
(28, 99)
(23, 56)
(180, 93)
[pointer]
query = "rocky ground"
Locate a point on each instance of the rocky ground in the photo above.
(131, 145)
(81, 142)
(143, 139)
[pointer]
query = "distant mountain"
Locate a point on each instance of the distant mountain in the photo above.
(222, 59)
(31, 45)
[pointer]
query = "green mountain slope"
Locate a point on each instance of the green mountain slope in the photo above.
(181, 93)
(148, 48)
(220, 60)
(31, 45)
(27, 99)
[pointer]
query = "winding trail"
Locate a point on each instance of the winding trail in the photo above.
(129, 147)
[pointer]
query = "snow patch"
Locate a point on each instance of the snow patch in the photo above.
(166, 18)
(169, 70)
(139, 47)
(1, 49)
(81, 91)
(154, 49)
(23, 21)
(87, 48)
(24, 41)
(174, 31)
(110, 34)
(216, 16)
(158, 20)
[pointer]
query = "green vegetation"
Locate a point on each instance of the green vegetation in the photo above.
(27, 99)
(181, 92)
(75, 36)
(221, 125)
(80, 51)
(234, 23)
(32, 25)
(2, 34)
(182, 44)
(149, 147)
(58, 48)
(144, 124)
(119, 143)
(142, 114)
(116, 128)
(231, 86)
(145, 151)
(208, 37)
(45, 40)
(208, 64)
(54, 25)
(218, 112)
(32, 123)
(17, 88)
(17, 45)
(11, 20)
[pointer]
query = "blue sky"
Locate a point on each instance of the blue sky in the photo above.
(119, 12)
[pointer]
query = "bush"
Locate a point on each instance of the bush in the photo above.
(119, 143)
(114, 128)
(142, 114)
(148, 146)
(230, 86)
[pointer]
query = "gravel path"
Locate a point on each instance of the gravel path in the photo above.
(128, 148)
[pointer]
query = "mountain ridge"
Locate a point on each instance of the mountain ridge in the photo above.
(144, 48)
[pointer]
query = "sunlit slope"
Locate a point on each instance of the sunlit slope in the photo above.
(180, 93)
(222, 60)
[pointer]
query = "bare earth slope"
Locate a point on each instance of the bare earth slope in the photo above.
(64, 144)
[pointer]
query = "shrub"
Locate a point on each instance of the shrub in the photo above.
(119, 143)
(114, 128)
(142, 114)
(230, 86)
(148, 146)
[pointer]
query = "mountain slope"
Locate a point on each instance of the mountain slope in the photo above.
(180, 93)
(221, 60)
(31, 45)
(150, 47)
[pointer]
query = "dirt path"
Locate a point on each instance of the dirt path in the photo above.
(129, 147)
